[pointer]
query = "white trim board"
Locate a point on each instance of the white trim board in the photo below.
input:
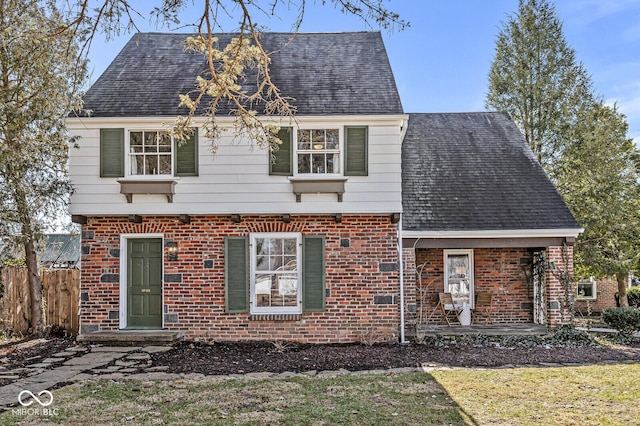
(123, 276)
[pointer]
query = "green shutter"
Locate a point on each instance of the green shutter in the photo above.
(281, 161)
(236, 273)
(313, 274)
(356, 151)
(186, 158)
(111, 152)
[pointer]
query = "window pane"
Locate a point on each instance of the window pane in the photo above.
(165, 164)
(263, 290)
(585, 290)
(287, 290)
(150, 143)
(290, 246)
(135, 140)
(151, 165)
(137, 165)
(304, 163)
(459, 278)
(332, 139)
(330, 163)
(164, 140)
(304, 139)
(318, 161)
(318, 138)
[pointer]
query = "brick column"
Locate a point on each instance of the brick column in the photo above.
(409, 277)
(559, 268)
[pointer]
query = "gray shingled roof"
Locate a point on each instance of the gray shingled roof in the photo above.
(326, 73)
(474, 171)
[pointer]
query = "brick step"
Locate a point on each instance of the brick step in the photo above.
(132, 337)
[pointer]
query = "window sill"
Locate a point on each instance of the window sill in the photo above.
(275, 317)
(164, 186)
(325, 184)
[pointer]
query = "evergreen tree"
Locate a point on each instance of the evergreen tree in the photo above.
(537, 80)
(598, 178)
(580, 141)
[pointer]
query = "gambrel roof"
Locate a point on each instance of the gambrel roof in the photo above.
(326, 74)
(475, 172)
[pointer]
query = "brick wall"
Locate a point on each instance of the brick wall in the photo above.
(496, 271)
(361, 277)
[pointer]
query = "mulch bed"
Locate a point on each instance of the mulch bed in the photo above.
(231, 358)
(248, 357)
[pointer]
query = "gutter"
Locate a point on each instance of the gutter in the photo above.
(520, 233)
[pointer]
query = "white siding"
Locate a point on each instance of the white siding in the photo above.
(236, 179)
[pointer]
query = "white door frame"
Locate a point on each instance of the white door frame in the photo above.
(123, 274)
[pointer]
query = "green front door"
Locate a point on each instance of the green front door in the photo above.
(144, 283)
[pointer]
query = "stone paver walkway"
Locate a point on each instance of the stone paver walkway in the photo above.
(75, 364)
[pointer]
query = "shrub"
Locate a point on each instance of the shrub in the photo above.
(625, 320)
(633, 297)
(633, 294)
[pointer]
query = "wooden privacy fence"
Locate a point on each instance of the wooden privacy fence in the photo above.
(60, 293)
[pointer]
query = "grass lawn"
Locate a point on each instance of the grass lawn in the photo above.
(606, 394)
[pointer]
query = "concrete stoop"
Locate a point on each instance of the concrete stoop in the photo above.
(131, 337)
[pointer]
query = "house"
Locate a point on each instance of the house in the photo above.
(60, 251)
(55, 251)
(233, 246)
(594, 295)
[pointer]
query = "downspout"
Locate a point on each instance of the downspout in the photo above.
(401, 281)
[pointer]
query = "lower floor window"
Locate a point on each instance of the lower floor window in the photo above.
(587, 289)
(275, 273)
(458, 276)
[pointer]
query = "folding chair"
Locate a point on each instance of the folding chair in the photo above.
(447, 307)
(483, 306)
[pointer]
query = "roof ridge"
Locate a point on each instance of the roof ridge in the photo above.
(266, 32)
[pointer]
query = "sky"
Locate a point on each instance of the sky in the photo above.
(441, 62)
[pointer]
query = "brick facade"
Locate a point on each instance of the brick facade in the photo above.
(361, 277)
(496, 270)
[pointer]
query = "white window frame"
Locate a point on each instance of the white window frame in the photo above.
(130, 155)
(593, 286)
(457, 252)
(255, 309)
(340, 151)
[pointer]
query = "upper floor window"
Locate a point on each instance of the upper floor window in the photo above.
(146, 153)
(318, 151)
(150, 153)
